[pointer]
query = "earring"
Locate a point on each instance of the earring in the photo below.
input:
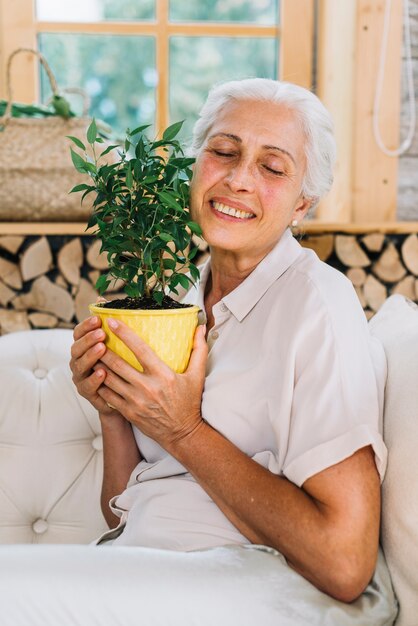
(294, 223)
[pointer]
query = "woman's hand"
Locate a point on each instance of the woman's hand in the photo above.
(88, 348)
(162, 404)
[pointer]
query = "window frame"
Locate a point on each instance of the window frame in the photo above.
(19, 28)
(341, 39)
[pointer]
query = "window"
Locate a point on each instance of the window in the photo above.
(152, 61)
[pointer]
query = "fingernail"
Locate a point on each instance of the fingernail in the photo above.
(112, 323)
(93, 320)
(99, 373)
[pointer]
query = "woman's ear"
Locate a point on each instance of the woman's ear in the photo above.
(301, 209)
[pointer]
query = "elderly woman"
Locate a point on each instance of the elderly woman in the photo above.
(272, 435)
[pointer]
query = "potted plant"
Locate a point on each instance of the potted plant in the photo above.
(141, 215)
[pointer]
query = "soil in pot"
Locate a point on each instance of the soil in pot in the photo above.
(144, 303)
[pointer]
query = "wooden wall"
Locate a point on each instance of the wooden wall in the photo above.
(408, 163)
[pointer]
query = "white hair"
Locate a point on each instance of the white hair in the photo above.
(320, 148)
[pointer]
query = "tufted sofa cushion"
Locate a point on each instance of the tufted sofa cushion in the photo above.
(396, 325)
(50, 444)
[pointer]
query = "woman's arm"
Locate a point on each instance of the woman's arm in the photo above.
(120, 457)
(328, 529)
(120, 452)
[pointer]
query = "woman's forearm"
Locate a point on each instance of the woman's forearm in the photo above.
(120, 457)
(316, 539)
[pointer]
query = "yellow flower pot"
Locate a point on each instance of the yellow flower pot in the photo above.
(169, 332)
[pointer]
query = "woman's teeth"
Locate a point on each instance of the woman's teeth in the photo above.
(228, 210)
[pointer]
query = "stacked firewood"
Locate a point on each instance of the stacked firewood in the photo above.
(378, 265)
(48, 282)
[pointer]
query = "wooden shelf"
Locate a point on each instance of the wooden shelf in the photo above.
(309, 227)
(355, 228)
(43, 228)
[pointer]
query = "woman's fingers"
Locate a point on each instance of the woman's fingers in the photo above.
(115, 363)
(82, 366)
(113, 380)
(90, 323)
(80, 346)
(112, 399)
(199, 355)
(87, 348)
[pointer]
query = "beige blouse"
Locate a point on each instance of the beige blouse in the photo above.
(293, 379)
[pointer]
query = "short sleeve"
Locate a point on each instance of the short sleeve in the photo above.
(339, 377)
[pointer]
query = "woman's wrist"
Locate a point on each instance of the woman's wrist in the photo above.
(181, 445)
(113, 422)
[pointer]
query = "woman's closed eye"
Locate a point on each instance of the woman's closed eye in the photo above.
(274, 171)
(221, 153)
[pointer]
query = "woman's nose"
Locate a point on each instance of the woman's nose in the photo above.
(240, 178)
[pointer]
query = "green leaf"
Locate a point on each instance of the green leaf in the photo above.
(80, 188)
(86, 193)
(129, 178)
(169, 200)
(172, 131)
(158, 297)
(193, 253)
(61, 106)
(195, 228)
(102, 283)
(108, 149)
(92, 132)
(194, 271)
(169, 264)
(132, 290)
(140, 129)
(77, 142)
(165, 237)
(78, 162)
(92, 221)
(90, 167)
(184, 280)
(182, 162)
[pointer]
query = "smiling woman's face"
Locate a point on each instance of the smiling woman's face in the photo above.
(247, 179)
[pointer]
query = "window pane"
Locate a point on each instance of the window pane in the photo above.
(188, 89)
(117, 72)
(94, 10)
(260, 12)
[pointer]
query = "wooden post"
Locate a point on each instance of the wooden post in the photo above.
(163, 66)
(17, 30)
(335, 85)
(349, 43)
(375, 174)
(296, 52)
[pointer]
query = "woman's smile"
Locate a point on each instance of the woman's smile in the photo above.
(227, 210)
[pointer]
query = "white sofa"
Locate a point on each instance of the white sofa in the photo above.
(51, 466)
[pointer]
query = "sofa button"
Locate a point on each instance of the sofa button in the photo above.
(97, 443)
(40, 526)
(40, 372)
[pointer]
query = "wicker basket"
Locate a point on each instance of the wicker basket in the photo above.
(36, 171)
